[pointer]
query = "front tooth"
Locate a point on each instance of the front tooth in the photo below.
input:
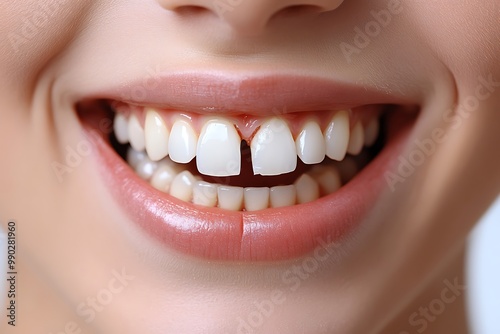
(311, 144)
(182, 186)
(371, 131)
(120, 127)
(136, 134)
(182, 142)
(256, 198)
(273, 149)
(230, 198)
(337, 136)
(281, 196)
(205, 194)
(156, 136)
(218, 152)
(357, 140)
(307, 189)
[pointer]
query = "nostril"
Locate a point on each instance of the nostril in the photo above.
(249, 17)
(296, 10)
(189, 10)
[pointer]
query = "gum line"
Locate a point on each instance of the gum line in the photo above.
(246, 125)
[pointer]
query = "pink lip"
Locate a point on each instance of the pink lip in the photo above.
(267, 235)
(213, 92)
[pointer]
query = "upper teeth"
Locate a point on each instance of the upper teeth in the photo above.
(337, 136)
(136, 134)
(218, 152)
(157, 135)
(273, 149)
(182, 142)
(311, 145)
(217, 147)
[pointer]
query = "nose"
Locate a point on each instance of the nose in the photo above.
(251, 17)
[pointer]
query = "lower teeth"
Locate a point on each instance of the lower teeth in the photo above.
(173, 178)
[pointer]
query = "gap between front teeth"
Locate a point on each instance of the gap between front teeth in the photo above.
(274, 150)
(169, 177)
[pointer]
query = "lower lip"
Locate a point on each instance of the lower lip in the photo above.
(268, 235)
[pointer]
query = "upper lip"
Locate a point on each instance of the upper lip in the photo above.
(256, 94)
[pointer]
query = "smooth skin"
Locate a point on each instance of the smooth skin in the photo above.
(73, 238)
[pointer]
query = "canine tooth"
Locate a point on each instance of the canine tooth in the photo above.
(230, 198)
(307, 189)
(328, 178)
(205, 194)
(273, 149)
(372, 131)
(281, 196)
(337, 136)
(182, 186)
(120, 128)
(136, 134)
(256, 198)
(135, 157)
(145, 169)
(156, 136)
(310, 144)
(163, 177)
(357, 140)
(182, 142)
(218, 151)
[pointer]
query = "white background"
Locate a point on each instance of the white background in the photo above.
(484, 274)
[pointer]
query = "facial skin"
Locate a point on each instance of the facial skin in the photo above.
(73, 237)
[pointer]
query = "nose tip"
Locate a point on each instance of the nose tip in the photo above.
(251, 17)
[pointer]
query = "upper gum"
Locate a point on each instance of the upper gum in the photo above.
(248, 125)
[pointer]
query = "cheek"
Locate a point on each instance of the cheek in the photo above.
(465, 36)
(35, 32)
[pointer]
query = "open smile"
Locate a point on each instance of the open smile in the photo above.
(214, 167)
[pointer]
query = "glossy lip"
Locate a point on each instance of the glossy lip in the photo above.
(259, 95)
(267, 235)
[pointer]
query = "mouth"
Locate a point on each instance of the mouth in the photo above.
(228, 177)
